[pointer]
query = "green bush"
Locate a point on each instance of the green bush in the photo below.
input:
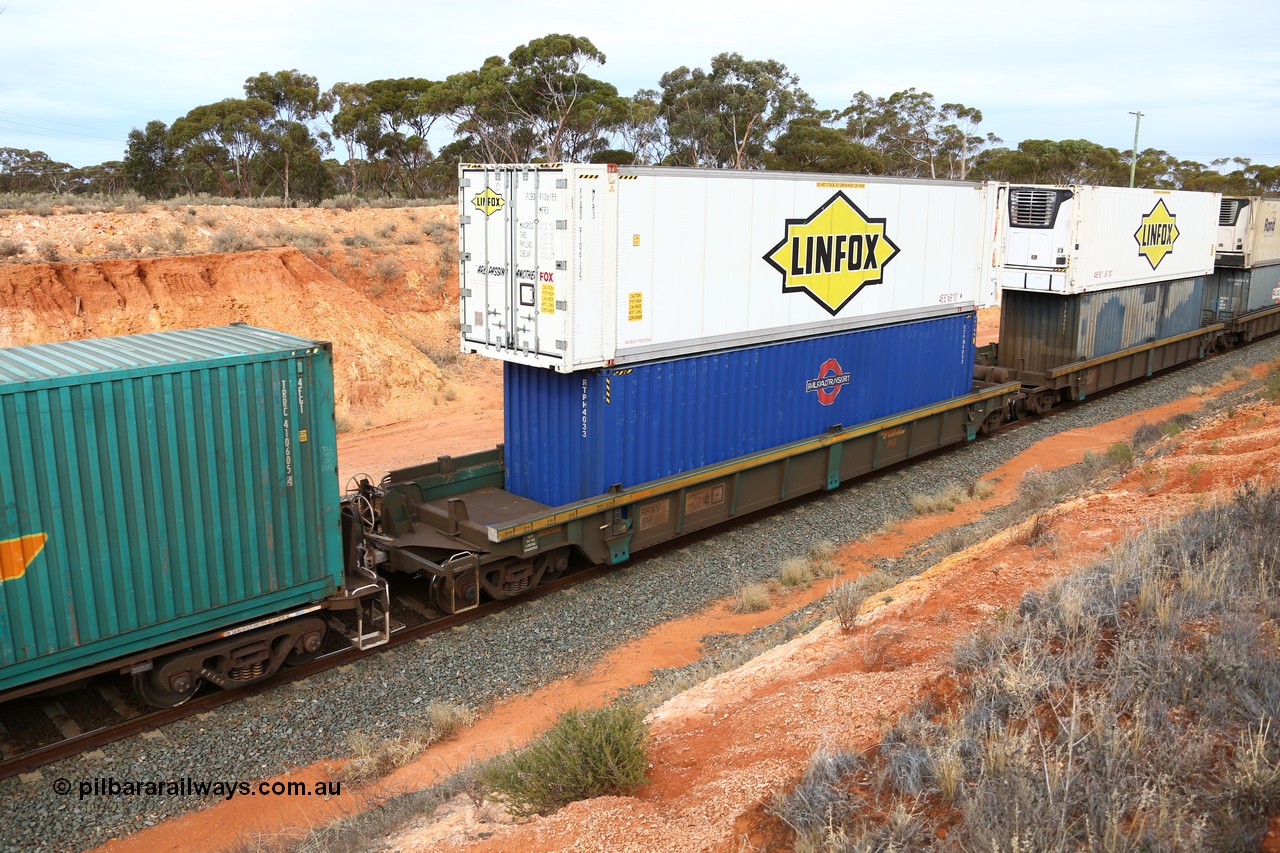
(584, 754)
(1271, 382)
(1120, 453)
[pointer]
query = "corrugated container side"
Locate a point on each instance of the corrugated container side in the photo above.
(1226, 294)
(571, 267)
(569, 437)
(174, 483)
(1264, 287)
(1041, 331)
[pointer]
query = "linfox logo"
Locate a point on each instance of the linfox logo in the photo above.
(1157, 234)
(18, 553)
(831, 378)
(832, 254)
(488, 202)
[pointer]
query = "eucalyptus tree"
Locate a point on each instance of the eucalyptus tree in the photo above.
(358, 124)
(407, 110)
(150, 163)
(1045, 161)
(225, 137)
(23, 171)
(644, 131)
(916, 137)
(538, 103)
(811, 145)
(729, 116)
(297, 102)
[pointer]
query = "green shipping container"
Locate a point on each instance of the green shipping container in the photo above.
(155, 487)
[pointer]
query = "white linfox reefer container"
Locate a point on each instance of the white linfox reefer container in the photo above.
(570, 267)
(1247, 235)
(1076, 239)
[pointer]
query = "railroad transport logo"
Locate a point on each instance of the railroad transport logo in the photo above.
(831, 378)
(17, 554)
(833, 254)
(488, 202)
(1156, 234)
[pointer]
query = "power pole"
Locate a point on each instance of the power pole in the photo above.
(1133, 161)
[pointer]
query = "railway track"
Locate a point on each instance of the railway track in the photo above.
(45, 728)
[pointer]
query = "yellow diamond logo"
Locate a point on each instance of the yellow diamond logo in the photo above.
(17, 554)
(833, 254)
(1156, 234)
(488, 201)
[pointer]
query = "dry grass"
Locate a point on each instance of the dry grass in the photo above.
(752, 598)
(848, 597)
(1129, 707)
(373, 758)
(951, 496)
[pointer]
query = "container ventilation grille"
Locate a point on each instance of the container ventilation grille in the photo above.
(1229, 211)
(1032, 208)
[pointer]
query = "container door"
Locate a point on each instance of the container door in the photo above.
(514, 242)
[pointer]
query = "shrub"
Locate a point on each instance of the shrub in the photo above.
(1144, 436)
(49, 251)
(951, 496)
(797, 571)
(157, 242)
(388, 268)
(584, 754)
(849, 595)
(438, 231)
(752, 598)
(820, 799)
(301, 238)
(360, 239)
(440, 355)
(9, 248)
(1120, 453)
(1271, 384)
(230, 239)
(372, 759)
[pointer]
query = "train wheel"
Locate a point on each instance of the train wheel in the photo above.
(552, 565)
(307, 646)
(441, 599)
(149, 690)
(992, 422)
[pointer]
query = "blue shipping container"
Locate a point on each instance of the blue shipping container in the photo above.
(572, 436)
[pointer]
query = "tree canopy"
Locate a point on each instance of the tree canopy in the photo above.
(544, 102)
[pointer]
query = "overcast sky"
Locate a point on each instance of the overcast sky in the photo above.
(77, 75)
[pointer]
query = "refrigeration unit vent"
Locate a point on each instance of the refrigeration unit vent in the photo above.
(1032, 208)
(1229, 211)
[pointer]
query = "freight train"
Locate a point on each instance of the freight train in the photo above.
(681, 348)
